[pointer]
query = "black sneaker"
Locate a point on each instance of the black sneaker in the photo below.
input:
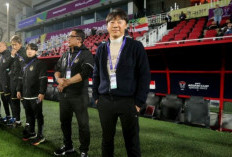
(64, 150)
(38, 140)
(26, 130)
(29, 136)
(6, 119)
(10, 122)
(1, 119)
(83, 154)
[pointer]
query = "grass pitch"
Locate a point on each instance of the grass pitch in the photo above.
(157, 138)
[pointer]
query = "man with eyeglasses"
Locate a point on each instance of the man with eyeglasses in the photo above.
(72, 72)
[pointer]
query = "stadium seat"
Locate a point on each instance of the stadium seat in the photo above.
(50, 92)
(196, 111)
(171, 107)
(150, 109)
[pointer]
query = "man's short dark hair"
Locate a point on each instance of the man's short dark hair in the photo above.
(16, 39)
(32, 46)
(80, 33)
(117, 12)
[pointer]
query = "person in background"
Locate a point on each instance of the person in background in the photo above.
(121, 80)
(31, 87)
(72, 72)
(182, 16)
(218, 12)
(18, 55)
(229, 29)
(4, 83)
(224, 28)
(168, 19)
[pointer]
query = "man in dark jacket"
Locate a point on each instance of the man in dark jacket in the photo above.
(18, 55)
(31, 87)
(182, 16)
(72, 72)
(4, 82)
(121, 81)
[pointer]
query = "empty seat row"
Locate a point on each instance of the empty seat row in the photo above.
(192, 111)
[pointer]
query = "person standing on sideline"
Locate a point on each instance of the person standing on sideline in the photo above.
(168, 19)
(121, 80)
(72, 72)
(4, 83)
(18, 55)
(31, 87)
(218, 12)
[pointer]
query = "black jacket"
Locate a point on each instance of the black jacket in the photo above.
(133, 72)
(5, 61)
(33, 81)
(17, 63)
(83, 65)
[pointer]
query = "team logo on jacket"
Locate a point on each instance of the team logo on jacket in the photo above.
(31, 68)
(76, 60)
(20, 59)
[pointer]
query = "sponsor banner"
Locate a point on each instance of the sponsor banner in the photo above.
(32, 20)
(70, 7)
(227, 11)
(196, 84)
(79, 4)
(141, 20)
(195, 11)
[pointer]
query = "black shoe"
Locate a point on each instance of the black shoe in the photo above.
(64, 150)
(10, 122)
(1, 119)
(29, 136)
(39, 139)
(26, 130)
(6, 119)
(83, 154)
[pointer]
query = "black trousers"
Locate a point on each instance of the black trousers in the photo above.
(16, 109)
(110, 108)
(5, 95)
(15, 103)
(34, 111)
(78, 105)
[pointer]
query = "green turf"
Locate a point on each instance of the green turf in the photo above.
(158, 138)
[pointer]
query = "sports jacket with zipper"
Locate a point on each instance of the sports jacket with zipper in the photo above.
(33, 78)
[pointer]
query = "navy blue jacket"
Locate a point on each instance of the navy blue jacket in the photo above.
(133, 72)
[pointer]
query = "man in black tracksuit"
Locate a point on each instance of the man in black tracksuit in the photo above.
(4, 81)
(121, 80)
(31, 87)
(72, 72)
(18, 54)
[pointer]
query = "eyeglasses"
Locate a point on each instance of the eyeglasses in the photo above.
(72, 36)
